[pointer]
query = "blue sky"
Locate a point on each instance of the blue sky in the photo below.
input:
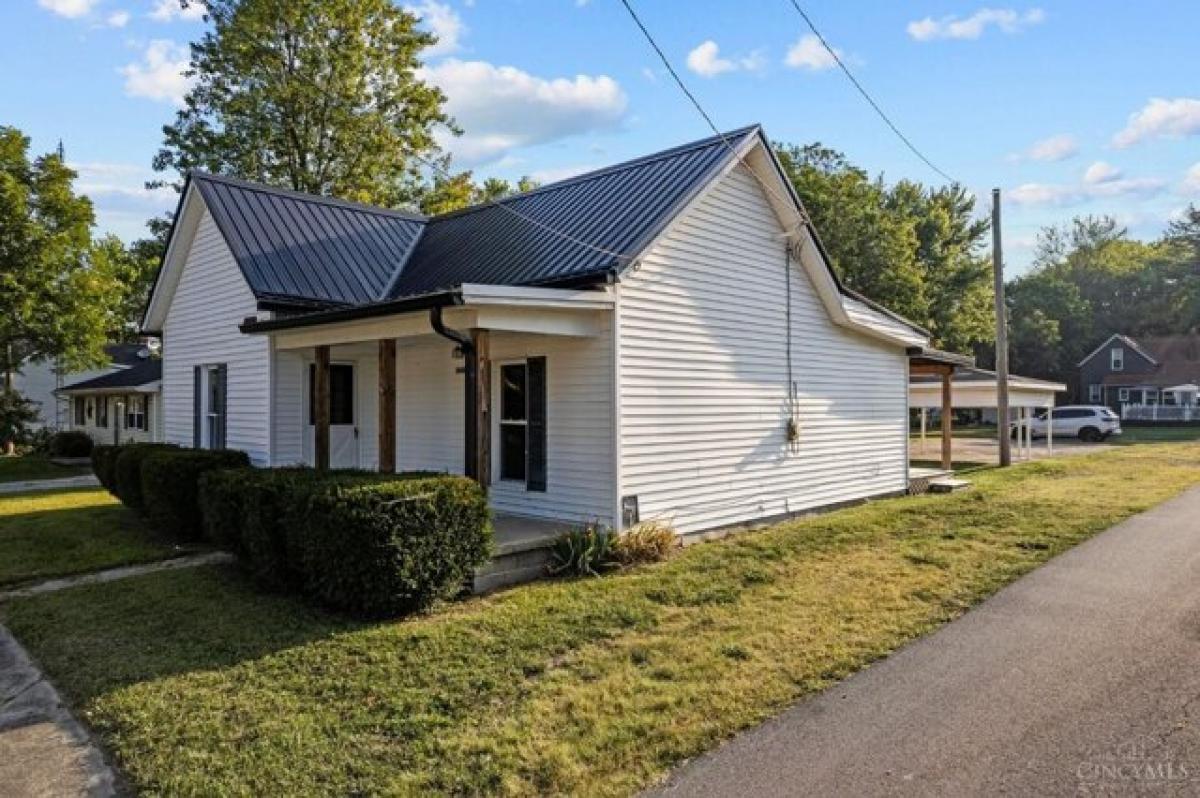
(1087, 106)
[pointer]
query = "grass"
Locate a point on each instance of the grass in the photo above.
(1156, 435)
(30, 467)
(45, 534)
(201, 685)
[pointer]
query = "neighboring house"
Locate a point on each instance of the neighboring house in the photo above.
(662, 338)
(1148, 371)
(40, 380)
(122, 406)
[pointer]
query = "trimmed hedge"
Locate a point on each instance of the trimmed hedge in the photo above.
(391, 547)
(104, 465)
(171, 485)
(367, 543)
(127, 471)
(70, 443)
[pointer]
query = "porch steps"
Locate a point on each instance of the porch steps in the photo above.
(948, 485)
(513, 563)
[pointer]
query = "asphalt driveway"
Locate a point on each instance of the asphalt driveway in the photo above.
(1081, 678)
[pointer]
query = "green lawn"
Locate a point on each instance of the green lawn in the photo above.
(1156, 435)
(28, 467)
(56, 533)
(202, 685)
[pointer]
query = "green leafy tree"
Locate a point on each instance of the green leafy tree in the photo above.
(16, 414)
(132, 268)
(320, 96)
(460, 191)
(54, 301)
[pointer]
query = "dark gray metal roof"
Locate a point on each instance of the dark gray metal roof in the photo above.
(303, 247)
(323, 252)
(143, 372)
(609, 216)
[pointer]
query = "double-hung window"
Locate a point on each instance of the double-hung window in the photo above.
(135, 412)
(102, 412)
(1094, 394)
(522, 422)
(1118, 359)
(209, 406)
(80, 411)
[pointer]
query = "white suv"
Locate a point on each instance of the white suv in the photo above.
(1090, 423)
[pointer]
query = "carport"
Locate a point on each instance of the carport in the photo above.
(950, 386)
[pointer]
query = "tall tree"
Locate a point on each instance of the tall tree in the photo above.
(132, 268)
(54, 300)
(460, 191)
(320, 96)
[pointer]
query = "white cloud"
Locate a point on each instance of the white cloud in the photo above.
(1100, 181)
(705, 60)
(1101, 172)
(808, 53)
(159, 75)
(1055, 148)
(124, 182)
(951, 27)
(70, 9)
(553, 175)
(501, 107)
(167, 10)
(1191, 180)
(443, 22)
(118, 19)
(1161, 118)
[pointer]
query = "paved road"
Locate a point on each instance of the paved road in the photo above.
(83, 481)
(1081, 678)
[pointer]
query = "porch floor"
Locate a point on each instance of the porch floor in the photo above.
(517, 533)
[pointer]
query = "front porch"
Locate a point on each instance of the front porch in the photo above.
(510, 387)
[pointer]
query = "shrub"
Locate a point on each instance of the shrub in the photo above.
(171, 485)
(649, 541)
(387, 545)
(221, 506)
(584, 551)
(70, 443)
(104, 464)
(37, 441)
(127, 471)
(272, 505)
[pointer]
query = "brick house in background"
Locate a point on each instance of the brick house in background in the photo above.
(1163, 370)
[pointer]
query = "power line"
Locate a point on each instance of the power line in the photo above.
(695, 102)
(866, 96)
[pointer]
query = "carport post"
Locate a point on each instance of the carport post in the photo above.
(947, 417)
(1050, 430)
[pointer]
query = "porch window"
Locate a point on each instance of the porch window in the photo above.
(1118, 359)
(1123, 394)
(514, 420)
(102, 412)
(80, 411)
(341, 393)
(1094, 394)
(135, 412)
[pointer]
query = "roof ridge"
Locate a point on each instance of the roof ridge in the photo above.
(604, 170)
(305, 196)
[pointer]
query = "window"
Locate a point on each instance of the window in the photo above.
(1123, 394)
(514, 420)
(209, 406)
(1118, 359)
(102, 411)
(135, 412)
(1095, 394)
(341, 393)
(216, 407)
(80, 411)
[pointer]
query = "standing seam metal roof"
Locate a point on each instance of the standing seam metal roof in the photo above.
(294, 246)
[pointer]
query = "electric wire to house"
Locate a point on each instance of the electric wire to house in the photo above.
(865, 94)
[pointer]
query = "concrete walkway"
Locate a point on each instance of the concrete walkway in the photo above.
(44, 751)
(1080, 678)
(85, 481)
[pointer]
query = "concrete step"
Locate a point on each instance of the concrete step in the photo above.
(512, 568)
(948, 485)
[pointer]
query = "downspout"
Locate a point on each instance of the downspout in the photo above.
(470, 392)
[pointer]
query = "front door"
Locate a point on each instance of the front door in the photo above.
(343, 416)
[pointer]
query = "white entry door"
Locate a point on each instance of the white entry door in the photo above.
(343, 416)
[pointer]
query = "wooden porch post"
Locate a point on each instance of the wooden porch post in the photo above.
(387, 405)
(483, 408)
(947, 412)
(321, 408)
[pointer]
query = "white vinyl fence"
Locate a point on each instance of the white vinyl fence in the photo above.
(1160, 413)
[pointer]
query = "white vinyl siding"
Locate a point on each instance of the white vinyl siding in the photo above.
(429, 416)
(703, 373)
(201, 328)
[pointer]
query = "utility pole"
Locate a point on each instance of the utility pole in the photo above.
(1001, 336)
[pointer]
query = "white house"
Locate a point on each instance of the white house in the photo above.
(661, 338)
(126, 390)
